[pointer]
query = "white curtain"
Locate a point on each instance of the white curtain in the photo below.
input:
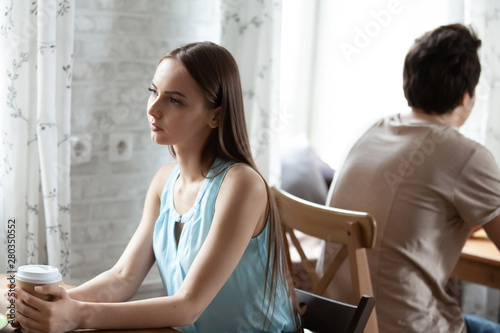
(250, 30)
(484, 125)
(36, 39)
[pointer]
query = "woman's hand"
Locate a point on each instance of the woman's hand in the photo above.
(56, 316)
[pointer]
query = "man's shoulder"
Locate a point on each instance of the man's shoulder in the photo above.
(452, 139)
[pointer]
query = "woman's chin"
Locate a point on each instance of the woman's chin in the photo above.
(157, 140)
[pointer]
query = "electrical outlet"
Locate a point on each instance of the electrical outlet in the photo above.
(120, 147)
(81, 150)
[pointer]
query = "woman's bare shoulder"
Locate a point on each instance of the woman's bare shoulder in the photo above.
(243, 198)
(161, 177)
(243, 176)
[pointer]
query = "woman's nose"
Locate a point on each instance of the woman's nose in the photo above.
(153, 109)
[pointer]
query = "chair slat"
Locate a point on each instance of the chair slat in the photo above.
(354, 231)
(323, 315)
(305, 262)
(331, 271)
(328, 220)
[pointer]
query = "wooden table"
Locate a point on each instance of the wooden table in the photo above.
(9, 329)
(479, 263)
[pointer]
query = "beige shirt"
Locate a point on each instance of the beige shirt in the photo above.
(428, 187)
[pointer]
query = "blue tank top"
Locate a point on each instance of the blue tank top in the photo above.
(240, 306)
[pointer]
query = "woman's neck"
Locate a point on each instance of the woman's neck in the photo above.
(192, 168)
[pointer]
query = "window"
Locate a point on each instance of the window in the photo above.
(342, 64)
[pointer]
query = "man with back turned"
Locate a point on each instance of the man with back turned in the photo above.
(427, 186)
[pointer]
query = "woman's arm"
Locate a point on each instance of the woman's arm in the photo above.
(239, 215)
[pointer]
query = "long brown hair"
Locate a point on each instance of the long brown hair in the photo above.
(216, 72)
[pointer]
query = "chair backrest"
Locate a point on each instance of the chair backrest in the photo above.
(320, 314)
(354, 231)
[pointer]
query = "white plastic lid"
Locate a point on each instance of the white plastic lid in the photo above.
(38, 274)
(3, 321)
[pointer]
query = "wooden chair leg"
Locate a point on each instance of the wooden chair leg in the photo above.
(359, 269)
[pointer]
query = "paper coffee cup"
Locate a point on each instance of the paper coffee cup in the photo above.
(30, 276)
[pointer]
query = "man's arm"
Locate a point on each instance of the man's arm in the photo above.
(492, 228)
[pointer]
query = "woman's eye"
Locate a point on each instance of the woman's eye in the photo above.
(174, 101)
(153, 92)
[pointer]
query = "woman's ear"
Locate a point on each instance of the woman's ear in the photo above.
(214, 118)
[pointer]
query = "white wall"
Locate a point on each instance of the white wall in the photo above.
(117, 46)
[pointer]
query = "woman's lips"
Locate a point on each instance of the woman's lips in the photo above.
(155, 128)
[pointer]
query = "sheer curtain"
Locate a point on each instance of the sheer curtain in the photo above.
(484, 125)
(36, 39)
(250, 30)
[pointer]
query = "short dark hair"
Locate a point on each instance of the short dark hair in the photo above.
(440, 67)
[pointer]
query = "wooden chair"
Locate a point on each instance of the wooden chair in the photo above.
(354, 231)
(319, 314)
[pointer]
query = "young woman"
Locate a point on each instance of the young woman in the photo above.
(209, 221)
